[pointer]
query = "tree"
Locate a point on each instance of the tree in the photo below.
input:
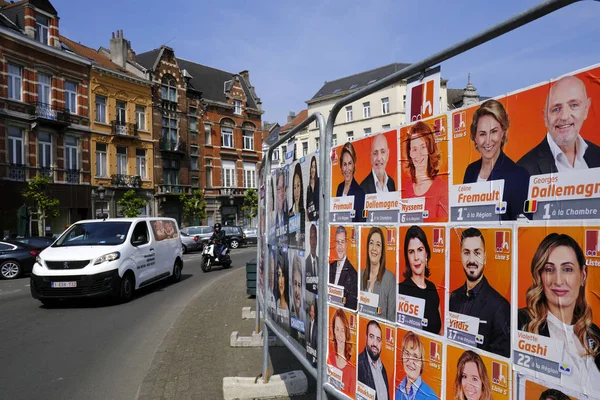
(130, 204)
(194, 205)
(47, 207)
(250, 207)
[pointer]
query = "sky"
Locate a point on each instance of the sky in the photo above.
(291, 48)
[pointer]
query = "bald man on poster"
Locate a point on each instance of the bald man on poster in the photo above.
(378, 181)
(563, 148)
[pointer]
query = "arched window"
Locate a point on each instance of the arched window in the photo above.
(169, 88)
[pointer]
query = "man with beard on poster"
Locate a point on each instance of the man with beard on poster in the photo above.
(342, 272)
(378, 180)
(563, 148)
(477, 298)
(371, 370)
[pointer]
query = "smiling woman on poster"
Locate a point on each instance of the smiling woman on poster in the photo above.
(297, 238)
(349, 187)
(557, 308)
(283, 308)
(472, 381)
(417, 254)
(340, 351)
(312, 192)
(489, 135)
(424, 165)
(376, 278)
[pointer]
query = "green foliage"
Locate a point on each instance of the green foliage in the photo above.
(47, 207)
(250, 207)
(194, 205)
(130, 204)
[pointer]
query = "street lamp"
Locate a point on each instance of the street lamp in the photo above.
(101, 191)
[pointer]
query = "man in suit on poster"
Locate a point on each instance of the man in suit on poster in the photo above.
(563, 148)
(371, 370)
(312, 330)
(378, 181)
(342, 272)
(312, 261)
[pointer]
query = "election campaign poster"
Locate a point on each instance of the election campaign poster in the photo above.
(297, 280)
(282, 287)
(377, 274)
(422, 94)
(341, 350)
(281, 205)
(529, 388)
(343, 266)
(422, 277)
(272, 292)
(480, 288)
(418, 357)
(376, 359)
(312, 187)
(262, 216)
(424, 170)
(557, 337)
(364, 170)
(471, 374)
(530, 154)
(297, 217)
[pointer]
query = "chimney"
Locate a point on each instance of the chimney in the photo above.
(246, 75)
(291, 117)
(119, 49)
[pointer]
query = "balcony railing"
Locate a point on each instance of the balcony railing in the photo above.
(124, 129)
(49, 112)
(16, 172)
(47, 172)
(174, 189)
(72, 176)
(131, 181)
(177, 146)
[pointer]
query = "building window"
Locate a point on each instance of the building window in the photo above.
(71, 97)
(404, 103)
(140, 117)
(228, 174)
(350, 135)
(44, 150)
(169, 88)
(367, 109)
(169, 129)
(195, 182)
(41, 28)
(275, 155)
(317, 124)
(226, 137)
(207, 134)
(140, 163)
(121, 160)
(100, 109)
(367, 131)
(304, 148)
(334, 139)
(194, 157)
(44, 88)
(16, 146)
(208, 172)
(100, 159)
(385, 105)
(170, 172)
(317, 143)
(386, 126)
(71, 153)
(121, 112)
(237, 107)
(249, 175)
(283, 153)
(193, 121)
(15, 82)
(348, 113)
(248, 140)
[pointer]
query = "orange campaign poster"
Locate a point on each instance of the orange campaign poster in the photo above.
(424, 171)
(341, 350)
(470, 374)
(538, 390)
(533, 153)
(422, 277)
(557, 334)
(376, 346)
(364, 180)
(418, 356)
(343, 266)
(480, 288)
(377, 274)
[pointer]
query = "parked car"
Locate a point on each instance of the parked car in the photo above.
(203, 233)
(16, 258)
(251, 235)
(40, 242)
(190, 243)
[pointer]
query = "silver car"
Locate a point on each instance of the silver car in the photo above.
(190, 243)
(203, 233)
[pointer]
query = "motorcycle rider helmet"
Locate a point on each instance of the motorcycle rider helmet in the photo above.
(217, 227)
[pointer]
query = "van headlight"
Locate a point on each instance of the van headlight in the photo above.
(107, 258)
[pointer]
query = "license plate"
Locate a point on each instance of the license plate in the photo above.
(64, 284)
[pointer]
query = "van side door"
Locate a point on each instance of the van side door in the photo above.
(144, 254)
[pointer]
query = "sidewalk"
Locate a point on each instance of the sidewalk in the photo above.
(195, 355)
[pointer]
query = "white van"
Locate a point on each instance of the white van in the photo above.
(111, 257)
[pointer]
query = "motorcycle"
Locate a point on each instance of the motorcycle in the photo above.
(209, 259)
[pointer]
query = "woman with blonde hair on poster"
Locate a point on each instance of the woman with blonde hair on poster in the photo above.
(557, 308)
(340, 351)
(376, 278)
(424, 166)
(472, 381)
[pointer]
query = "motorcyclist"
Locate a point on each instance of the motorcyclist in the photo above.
(218, 238)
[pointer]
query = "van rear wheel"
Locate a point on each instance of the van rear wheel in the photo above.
(127, 287)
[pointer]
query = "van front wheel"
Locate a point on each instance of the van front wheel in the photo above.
(176, 277)
(127, 285)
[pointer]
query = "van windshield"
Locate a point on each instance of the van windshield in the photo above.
(94, 234)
